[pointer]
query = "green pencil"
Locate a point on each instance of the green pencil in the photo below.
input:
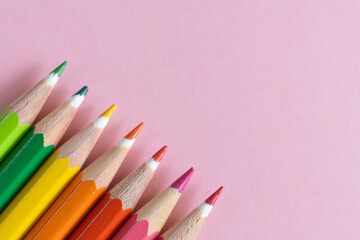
(35, 147)
(16, 118)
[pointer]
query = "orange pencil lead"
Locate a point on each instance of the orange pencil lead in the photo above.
(135, 132)
(130, 138)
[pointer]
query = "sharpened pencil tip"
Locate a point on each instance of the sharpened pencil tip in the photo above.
(59, 70)
(135, 132)
(104, 118)
(155, 160)
(130, 138)
(213, 198)
(159, 154)
(182, 181)
(109, 112)
(78, 97)
(83, 91)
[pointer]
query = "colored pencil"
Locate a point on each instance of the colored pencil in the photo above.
(147, 222)
(16, 119)
(117, 205)
(48, 182)
(82, 193)
(35, 147)
(189, 227)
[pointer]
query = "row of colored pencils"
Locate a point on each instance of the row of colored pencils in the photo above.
(44, 195)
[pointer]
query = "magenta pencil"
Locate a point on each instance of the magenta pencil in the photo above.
(146, 223)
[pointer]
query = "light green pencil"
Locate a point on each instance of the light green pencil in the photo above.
(16, 119)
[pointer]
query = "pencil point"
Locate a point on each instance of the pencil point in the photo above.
(159, 154)
(135, 132)
(83, 91)
(109, 112)
(130, 138)
(53, 77)
(104, 118)
(213, 198)
(182, 181)
(78, 97)
(59, 70)
(154, 161)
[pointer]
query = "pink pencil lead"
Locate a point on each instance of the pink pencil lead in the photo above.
(182, 181)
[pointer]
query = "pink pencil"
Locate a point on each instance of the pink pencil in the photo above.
(146, 223)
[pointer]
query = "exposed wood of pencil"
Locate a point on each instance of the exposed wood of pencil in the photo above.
(54, 125)
(103, 169)
(157, 211)
(75, 148)
(130, 189)
(29, 105)
(187, 229)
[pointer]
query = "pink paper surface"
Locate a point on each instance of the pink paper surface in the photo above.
(262, 97)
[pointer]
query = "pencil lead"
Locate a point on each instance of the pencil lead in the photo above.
(134, 133)
(104, 118)
(182, 181)
(78, 97)
(109, 112)
(159, 154)
(83, 91)
(54, 76)
(59, 70)
(213, 198)
(130, 138)
(154, 161)
(207, 206)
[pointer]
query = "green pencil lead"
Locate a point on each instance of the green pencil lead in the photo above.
(83, 91)
(58, 71)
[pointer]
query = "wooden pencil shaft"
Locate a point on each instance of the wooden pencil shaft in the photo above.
(54, 125)
(131, 188)
(187, 229)
(28, 106)
(74, 148)
(157, 211)
(103, 169)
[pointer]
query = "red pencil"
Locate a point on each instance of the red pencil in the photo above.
(147, 222)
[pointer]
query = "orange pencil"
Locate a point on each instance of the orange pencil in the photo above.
(147, 222)
(82, 193)
(116, 206)
(190, 226)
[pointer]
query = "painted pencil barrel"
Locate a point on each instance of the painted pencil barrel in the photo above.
(103, 221)
(134, 230)
(36, 196)
(10, 131)
(67, 211)
(21, 164)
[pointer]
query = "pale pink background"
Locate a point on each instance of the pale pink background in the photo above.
(262, 97)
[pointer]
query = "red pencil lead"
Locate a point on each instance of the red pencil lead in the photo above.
(159, 154)
(135, 132)
(182, 181)
(212, 199)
